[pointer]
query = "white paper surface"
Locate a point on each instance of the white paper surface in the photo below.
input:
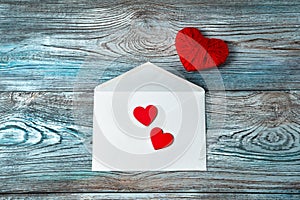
(122, 143)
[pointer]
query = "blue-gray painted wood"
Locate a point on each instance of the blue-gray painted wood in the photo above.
(54, 46)
(141, 196)
(252, 146)
(59, 51)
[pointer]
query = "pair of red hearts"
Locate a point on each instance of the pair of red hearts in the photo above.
(146, 116)
(197, 52)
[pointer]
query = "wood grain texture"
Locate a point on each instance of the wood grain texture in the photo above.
(53, 54)
(56, 46)
(150, 196)
(252, 146)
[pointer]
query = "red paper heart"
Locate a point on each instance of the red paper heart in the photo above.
(145, 115)
(159, 139)
(197, 52)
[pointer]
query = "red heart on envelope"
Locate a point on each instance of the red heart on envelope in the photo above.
(197, 52)
(160, 139)
(145, 115)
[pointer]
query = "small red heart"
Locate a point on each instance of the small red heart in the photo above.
(197, 52)
(159, 139)
(145, 115)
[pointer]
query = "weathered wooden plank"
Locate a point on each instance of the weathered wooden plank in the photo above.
(252, 146)
(46, 46)
(224, 196)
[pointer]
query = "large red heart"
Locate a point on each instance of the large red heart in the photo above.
(197, 52)
(159, 139)
(145, 115)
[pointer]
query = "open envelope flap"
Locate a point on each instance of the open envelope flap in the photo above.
(152, 75)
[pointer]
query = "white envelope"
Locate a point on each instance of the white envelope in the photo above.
(121, 142)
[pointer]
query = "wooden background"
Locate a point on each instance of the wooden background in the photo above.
(53, 53)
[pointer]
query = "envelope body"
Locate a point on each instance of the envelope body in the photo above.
(122, 143)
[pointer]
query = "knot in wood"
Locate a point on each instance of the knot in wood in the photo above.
(275, 108)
